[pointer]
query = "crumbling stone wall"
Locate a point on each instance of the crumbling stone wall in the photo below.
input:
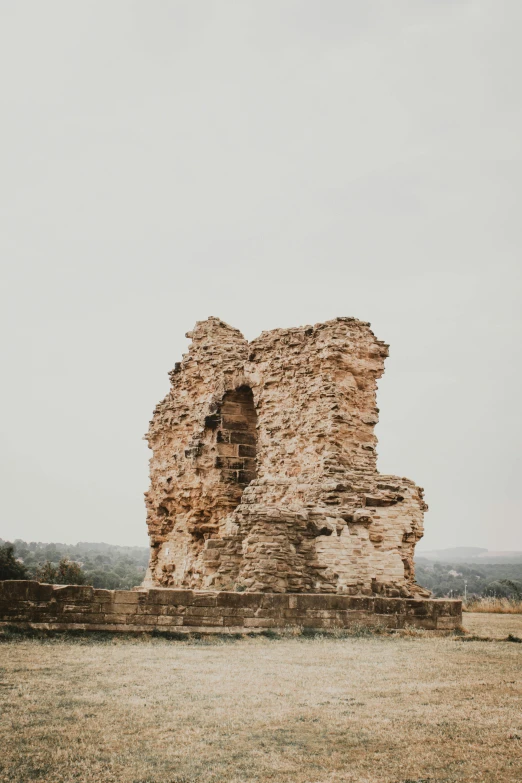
(263, 469)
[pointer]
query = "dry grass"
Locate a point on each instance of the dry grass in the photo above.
(494, 605)
(495, 626)
(380, 709)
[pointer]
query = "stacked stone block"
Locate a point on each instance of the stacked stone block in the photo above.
(31, 604)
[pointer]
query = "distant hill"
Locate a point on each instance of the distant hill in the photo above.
(84, 546)
(468, 554)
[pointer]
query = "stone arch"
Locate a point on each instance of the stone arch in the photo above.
(224, 460)
(236, 438)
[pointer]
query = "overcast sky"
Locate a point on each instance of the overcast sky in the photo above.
(274, 163)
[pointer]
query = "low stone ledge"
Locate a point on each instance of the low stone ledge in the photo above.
(78, 607)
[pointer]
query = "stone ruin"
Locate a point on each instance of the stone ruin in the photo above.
(265, 509)
(263, 469)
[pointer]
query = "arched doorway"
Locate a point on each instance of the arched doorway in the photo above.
(236, 438)
(225, 461)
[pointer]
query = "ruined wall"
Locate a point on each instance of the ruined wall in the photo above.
(73, 607)
(263, 472)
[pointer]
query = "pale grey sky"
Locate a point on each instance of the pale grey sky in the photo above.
(274, 163)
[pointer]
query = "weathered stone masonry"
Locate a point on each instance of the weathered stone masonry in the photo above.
(75, 607)
(263, 469)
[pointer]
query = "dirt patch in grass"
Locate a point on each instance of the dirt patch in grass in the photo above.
(375, 709)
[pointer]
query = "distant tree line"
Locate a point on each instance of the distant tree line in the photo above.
(99, 565)
(496, 580)
(118, 567)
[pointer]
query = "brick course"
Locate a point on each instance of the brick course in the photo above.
(28, 603)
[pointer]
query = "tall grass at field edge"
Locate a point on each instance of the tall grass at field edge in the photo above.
(493, 605)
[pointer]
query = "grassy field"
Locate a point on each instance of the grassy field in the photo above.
(375, 709)
(494, 605)
(496, 626)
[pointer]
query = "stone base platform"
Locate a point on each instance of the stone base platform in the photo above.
(74, 607)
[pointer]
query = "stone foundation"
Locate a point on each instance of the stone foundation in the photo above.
(73, 607)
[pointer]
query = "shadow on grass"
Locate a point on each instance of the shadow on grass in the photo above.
(513, 638)
(14, 633)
